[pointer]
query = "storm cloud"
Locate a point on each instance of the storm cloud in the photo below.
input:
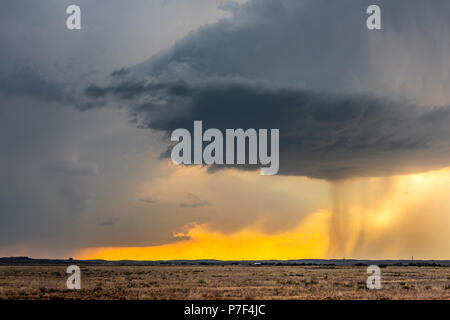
(339, 115)
(321, 135)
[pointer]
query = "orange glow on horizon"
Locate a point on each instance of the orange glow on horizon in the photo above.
(368, 218)
(308, 240)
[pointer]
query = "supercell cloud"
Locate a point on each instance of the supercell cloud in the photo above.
(311, 73)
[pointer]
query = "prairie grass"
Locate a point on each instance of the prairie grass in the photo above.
(222, 282)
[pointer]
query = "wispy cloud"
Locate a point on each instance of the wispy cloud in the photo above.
(193, 202)
(109, 222)
(147, 200)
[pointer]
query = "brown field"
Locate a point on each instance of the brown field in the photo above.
(223, 282)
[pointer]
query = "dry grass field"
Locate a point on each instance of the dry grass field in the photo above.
(223, 282)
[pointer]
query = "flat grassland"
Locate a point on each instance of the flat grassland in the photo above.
(222, 282)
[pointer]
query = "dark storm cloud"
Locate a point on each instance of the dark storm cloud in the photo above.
(307, 68)
(321, 135)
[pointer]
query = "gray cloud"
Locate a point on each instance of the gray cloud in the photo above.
(147, 200)
(61, 169)
(52, 194)
(322, 135)
(285, 64)
(109, 222)
(193, 202)
(29, 83)
(75, 168)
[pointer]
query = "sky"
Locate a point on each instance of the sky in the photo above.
(86, 117)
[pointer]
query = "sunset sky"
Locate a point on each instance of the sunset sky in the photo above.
(86, 116)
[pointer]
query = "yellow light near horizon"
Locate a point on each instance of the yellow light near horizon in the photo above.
(374, 218)
(308, 240)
